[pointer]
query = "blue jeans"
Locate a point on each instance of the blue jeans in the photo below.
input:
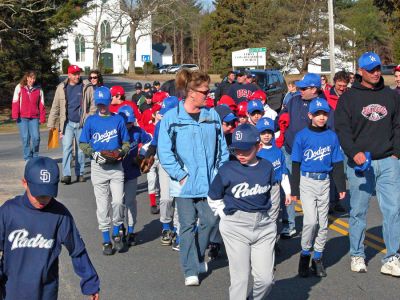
(71, 132)
(29, 132)
(191, 250)
(384, 177)
(288, 212)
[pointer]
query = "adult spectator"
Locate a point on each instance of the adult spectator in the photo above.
(240, 90)
(397, 79)
(138, 92)
(352, 78)
(72, 104)
(169, 87)
(96, 79)
(367, 123)
(29, 111)
(325, 86)
(186, 132)
(224, 86)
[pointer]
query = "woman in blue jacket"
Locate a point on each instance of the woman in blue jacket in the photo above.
(191, 147)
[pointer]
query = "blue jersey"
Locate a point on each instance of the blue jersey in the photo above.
(31, 242)
(104, 132)
(276, 157)
(136, 136)
(316, 151)
(245, 188)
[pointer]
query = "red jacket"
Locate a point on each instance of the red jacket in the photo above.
(28, 103)
(331, 97)
(114, 109)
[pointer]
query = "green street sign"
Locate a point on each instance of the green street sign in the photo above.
(252, 50)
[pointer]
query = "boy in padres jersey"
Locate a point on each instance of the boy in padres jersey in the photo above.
(240, 195)
(106, 131)
(316, 153)
(32, 229)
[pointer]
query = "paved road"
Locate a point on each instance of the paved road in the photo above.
(151, 271)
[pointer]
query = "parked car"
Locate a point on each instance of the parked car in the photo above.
(388, 69)
(163, 69)
(172, 69)
(191, 67)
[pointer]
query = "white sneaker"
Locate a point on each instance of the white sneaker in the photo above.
(287, 233)
(203, 267)
(391, 267)
(192, 281)
(358, 264)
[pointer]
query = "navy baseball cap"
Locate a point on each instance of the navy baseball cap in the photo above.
(168, 103)
(138, 86)
(254, 105)
(369, 61)
(156, 83)
(42, 176)
(225, 113)
(318, 104)
(309, 80)
(147, 85)
(127, 113)
(102, 95)
(244, 137)
(148, 95)
(265, 124)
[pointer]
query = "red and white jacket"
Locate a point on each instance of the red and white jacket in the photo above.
(28, 103)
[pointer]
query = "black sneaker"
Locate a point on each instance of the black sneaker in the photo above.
(154, 210)
(131, 239)
(66, 180)
(166, 238)
(317, 268)
(304, 265)
(119, 243)
(213, 250)
(339, 208)
(108, 249)
(80, 178)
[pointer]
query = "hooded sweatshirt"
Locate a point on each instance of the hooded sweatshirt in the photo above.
(368, 120)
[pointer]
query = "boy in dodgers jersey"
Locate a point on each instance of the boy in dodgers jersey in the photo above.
(106, 131)
(32, 229)
(315, 153)
(240, 195)
(275, 156)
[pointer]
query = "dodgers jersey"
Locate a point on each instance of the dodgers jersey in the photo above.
(242, 187)
(316, 151)
(31, 242)
(276, 157)
(104, 132)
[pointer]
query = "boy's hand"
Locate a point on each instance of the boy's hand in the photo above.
(288, 200)
(342, 195)
(294, 198)
(94, 297)
(359, 158)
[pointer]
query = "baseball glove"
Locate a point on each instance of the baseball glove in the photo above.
(146, 164)
(107, 156)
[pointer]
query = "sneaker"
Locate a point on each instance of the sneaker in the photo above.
(119, 242)
(175, 246)
(192, 281)
(339, 208)
(358, 264)
(166, 238)
(108, 249)
(287, 233)
(80, 178)
(154, 210)
(66, 180)
(131, 240)
(304, 265)
(392, 266)
(203, 267)
(213, 250)
(317, 268)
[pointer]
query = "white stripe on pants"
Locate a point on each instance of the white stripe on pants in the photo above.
(314, 196)
(130, 187)
(108, 178)
(249, 242)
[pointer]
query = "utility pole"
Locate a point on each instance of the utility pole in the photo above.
(331, 39)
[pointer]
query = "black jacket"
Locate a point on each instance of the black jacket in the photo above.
(222, 89)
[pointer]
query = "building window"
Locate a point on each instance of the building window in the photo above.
(80, 48)
(105, 32)
(325, 65)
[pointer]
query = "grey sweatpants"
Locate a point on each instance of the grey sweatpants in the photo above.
(130, 187)
(249, 242)
(108, 178)
(314, 195)
(153, 184)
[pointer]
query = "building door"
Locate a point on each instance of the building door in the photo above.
(107, 60)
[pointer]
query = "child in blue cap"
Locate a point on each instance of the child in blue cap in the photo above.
(32, 229)
(241, 195)
(315, 154)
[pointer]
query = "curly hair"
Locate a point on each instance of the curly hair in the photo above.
(186, 80)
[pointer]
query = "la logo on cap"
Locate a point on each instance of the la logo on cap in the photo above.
(45, 176)
(254, 103)
(372, 58)
(266, 122)
(101, 94)
(319, 103)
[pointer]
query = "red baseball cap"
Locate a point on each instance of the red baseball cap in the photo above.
(227, 100)
(72, 69)
(258, 95)
(159, 96)
(117, 90)
(242, 109)
(396, 68)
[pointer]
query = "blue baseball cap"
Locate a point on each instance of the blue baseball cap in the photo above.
(168, 103)
(102, 95)
(369, 61)
(265, 124)
(244, 137)
(225, 113)
(309, 80)
(127, 113)
(254, 105)
(365, 166)
(318, 104)
(42, 176)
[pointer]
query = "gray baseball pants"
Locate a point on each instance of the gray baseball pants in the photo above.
(153, 184)
(108, 178)
(130, 188)
(275, 202)
(166, 201)
(249, 242)
(314, 195)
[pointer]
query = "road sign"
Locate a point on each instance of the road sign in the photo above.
(145, 58)
(252, 50)
(247, 58)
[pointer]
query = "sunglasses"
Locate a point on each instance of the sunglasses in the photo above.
(205, 93)
(305, 89)
(93, 77)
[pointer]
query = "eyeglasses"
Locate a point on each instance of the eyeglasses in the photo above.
(205, 93)
(93, 77)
